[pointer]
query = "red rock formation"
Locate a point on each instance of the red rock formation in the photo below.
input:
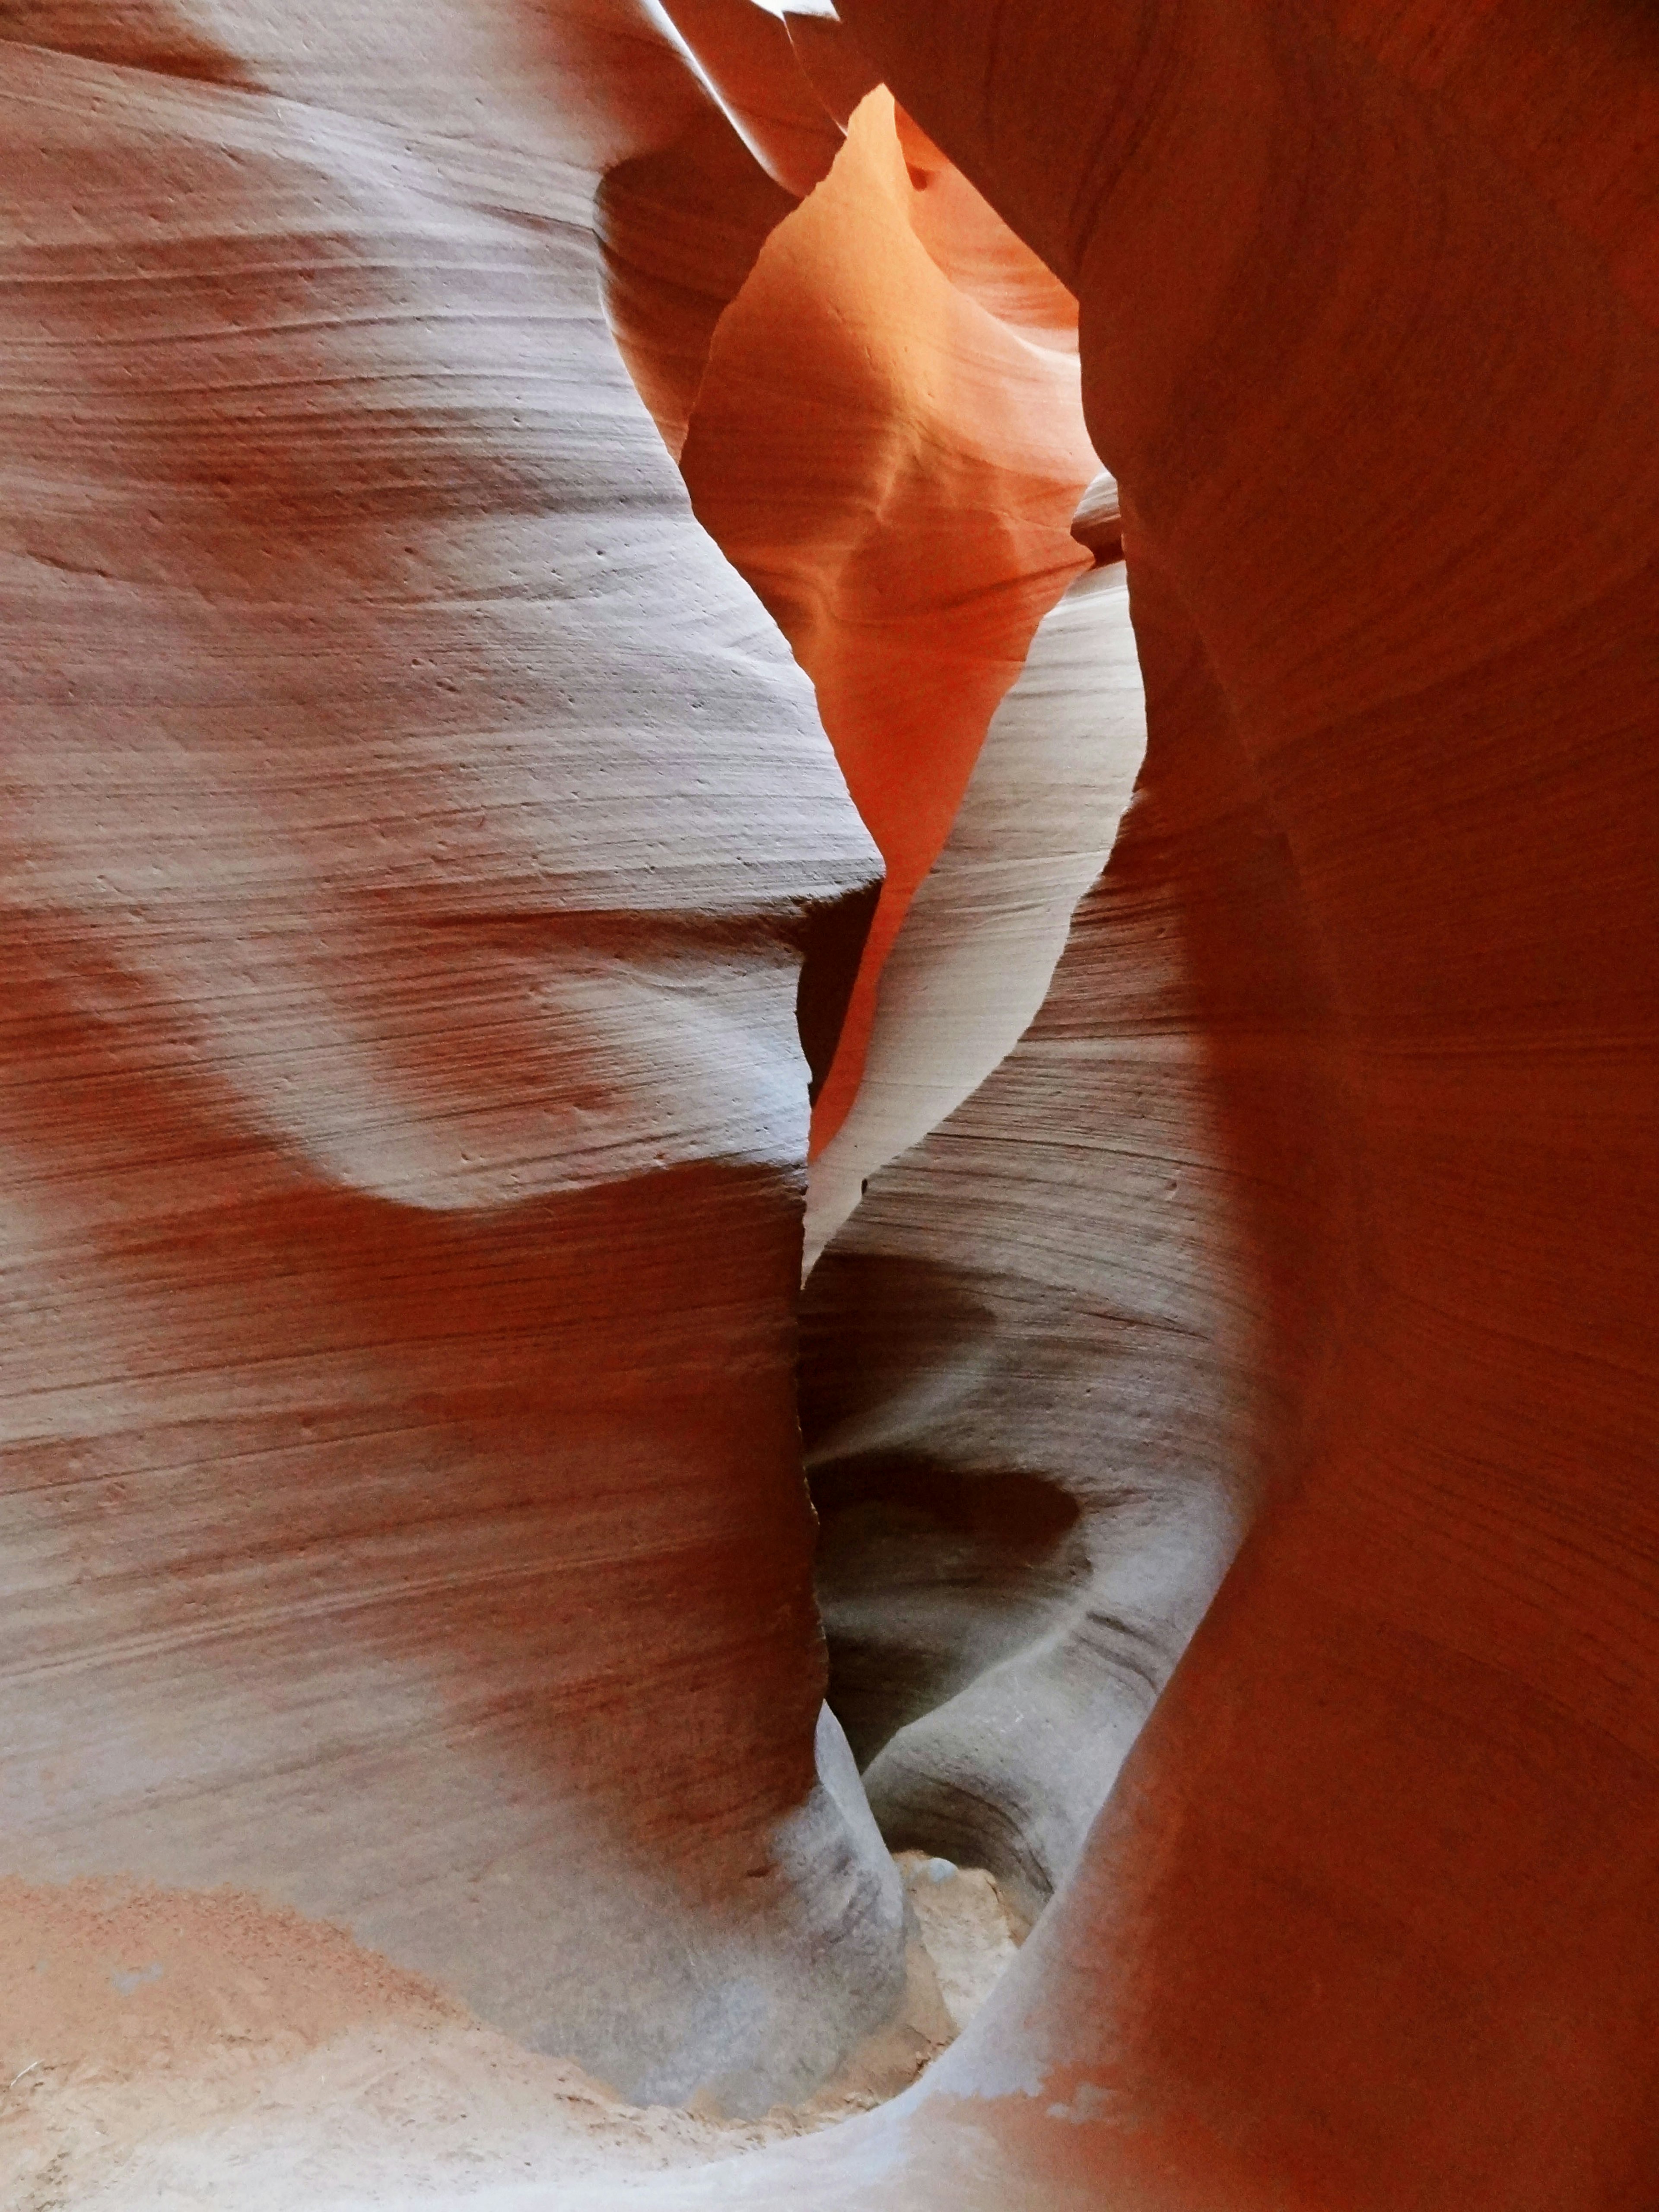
(1054, 1360)
(748, 60)
(414, 828)
(978, 944)
(415, 835)
(1367, 334)
(894, 468)
(833, 64)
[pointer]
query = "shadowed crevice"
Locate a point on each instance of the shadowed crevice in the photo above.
(926, 1576)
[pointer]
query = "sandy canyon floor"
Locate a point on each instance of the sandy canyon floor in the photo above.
(162, 2048)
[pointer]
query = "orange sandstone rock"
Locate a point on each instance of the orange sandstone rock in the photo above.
(414, 837)
(894, 469)
(1367, 338)
(974, 957)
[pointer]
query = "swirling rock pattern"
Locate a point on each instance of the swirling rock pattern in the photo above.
(980, 940)
(894, 467)
(414, 831)
(1368, 340)
(414, 834)
(1084, 1322)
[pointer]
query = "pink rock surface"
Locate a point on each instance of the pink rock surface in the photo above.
(973, 958)
(1054, 1360)
(414, 828)
(1233, 1422)
(1367, 340)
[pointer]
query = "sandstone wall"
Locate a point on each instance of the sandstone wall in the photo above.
(414, 831)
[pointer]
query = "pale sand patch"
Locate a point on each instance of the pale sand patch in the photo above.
(179, 2051)
(968, 1928)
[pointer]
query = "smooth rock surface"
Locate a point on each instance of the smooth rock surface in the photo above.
(414, 831)
(1368, 294)
(973, 958)
(414, 834)
(894, 468)
(1054, 1360)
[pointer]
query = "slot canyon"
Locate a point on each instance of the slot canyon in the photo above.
(830, 1106)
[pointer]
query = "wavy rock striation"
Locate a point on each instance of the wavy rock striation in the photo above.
(1368, 340)
(1053, 1362)
(973, 958)
(414, 831)
(1230, 1409)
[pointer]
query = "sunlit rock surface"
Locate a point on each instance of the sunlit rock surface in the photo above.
(894, 466)
(1052, 1361)
(1367, 333)
(972, 960)
(414, 829)
(1230, 1407)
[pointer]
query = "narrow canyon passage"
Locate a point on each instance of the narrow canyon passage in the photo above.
(417, 879)
(830, 1031)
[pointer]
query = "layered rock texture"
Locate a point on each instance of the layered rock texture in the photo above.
(416, 829)
(1226, 1371)
(1055, 1359)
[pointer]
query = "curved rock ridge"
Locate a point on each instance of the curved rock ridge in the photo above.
(972, 961)
(1054, 1360)
(835, 66)
(1231, 1424)
(681, 225)
(894, 469)
(969, 242)
(748, 60)
(414, 827)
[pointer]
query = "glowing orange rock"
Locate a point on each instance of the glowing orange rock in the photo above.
(412, 839)
(894, 470)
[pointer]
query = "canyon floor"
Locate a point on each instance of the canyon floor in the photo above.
(162, 2048)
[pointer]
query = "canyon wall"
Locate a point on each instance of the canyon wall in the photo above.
(1368, 301)
(893, 463)
(415, 832)
(1070, 1340)
(1227, 1374)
